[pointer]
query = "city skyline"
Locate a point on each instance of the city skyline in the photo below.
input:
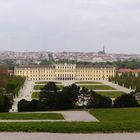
(71, 26)
(96, 52)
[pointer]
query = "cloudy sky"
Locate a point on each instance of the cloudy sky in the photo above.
(70, 25)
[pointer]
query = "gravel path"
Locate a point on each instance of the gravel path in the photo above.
(56, 136)
(117, 87)
(24, 93)
(79, 116)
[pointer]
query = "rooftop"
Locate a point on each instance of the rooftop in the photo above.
(124, 70)
(77, 66)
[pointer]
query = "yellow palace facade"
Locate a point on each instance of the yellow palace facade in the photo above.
(66, 72)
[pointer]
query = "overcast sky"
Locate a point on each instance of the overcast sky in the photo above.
(70, 25)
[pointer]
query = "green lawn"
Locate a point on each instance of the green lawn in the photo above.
(35, 95)
(31, 116)
(117, 115)
(46, 82)
(39, 87)
(88, 82)
(98, 87)
(111, 121)
(114, 94)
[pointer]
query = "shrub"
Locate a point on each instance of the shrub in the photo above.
(98, 101)
(125, 100)
(5, 103)
(23, 105)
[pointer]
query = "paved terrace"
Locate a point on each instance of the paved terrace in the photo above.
(56, 136)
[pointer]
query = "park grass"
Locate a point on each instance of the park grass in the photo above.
(124, 115)
(31, 116)
(39, 87)
(46, 82)
(98, 87)
(88, 82)
(35, 95)
(112, 94)
(70, 127)
(111, 121)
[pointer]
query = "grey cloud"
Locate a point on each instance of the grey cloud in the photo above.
(70, 25)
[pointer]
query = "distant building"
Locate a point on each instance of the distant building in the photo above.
(66, 72)
(9, 72)
(102, 52)
(134, 71)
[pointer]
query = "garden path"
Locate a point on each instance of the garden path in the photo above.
(24, 93)
(60, 136)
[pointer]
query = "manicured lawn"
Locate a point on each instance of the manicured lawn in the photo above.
(98, 87)
(117, 115)
(88, 82)
(111, 120)
(35, 95)
(46, 82)
(39, 87)
(30, 116)
(114, 94)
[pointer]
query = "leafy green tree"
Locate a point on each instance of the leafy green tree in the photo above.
(60, 100)
(72, 92)
(50, 87)
(1, 102)
(125, 100)
(7, 104)
(98, 101)
(23, 106)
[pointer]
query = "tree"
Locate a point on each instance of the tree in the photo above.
(34, 105)
(125, 100)
(52, 99)
(23, 105)
(1, 102)
(98, 101)
(7, 104)
(69, 99)
(50, 87)
(83, 97)
(60, 100)
(72, 92)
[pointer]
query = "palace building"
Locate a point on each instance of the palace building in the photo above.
(66, 72)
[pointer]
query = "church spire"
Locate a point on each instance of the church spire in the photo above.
(104, 49)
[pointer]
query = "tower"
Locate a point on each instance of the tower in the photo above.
(103, 50)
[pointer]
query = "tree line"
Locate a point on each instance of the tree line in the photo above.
(9, 88)
(73, 97)
(128, 80)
